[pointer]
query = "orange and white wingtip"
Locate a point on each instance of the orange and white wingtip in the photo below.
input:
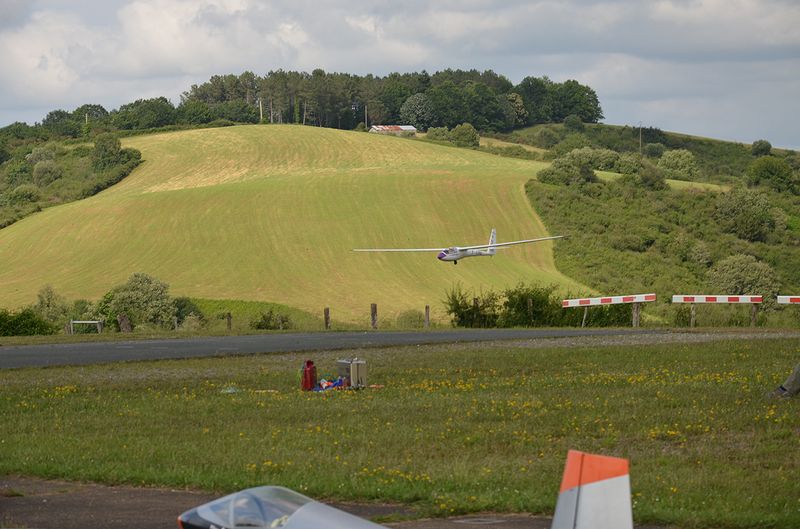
(595, 493)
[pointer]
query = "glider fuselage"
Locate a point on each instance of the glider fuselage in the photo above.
(454, 253)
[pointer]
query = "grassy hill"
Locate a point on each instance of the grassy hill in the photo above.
(271, 213)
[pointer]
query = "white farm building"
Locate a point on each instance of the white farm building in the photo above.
(393, 129)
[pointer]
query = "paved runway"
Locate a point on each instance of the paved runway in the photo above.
(101, 352)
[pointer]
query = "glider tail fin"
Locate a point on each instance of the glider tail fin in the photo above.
(595, 493)
(492, 241)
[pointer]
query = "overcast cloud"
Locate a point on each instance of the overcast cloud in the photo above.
(723, 68)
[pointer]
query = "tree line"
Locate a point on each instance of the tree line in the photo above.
(487, 100)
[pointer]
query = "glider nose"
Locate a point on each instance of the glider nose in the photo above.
(441, 256)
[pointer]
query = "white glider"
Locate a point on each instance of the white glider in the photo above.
(454, 253)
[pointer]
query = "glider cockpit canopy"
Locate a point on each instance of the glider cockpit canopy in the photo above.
(269, 508)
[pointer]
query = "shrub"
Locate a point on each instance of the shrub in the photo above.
(271, 320)
(40, 154)
(678, 164)
(654, 150)
(82, 309)
(221, 123)
(573, 123)
(24, 323)
(361, 127)
(745, 275)
(18, 172)
(184, 307)
(46, 172)
(143, 298)
(746, 214)
(774, 172)
(650, 177)
(546, 138)
(439, 134)
(468, 310)
(531, 306)
(628, 163)
(411, 319)
(567, 171)
(465, 135)
(128, 158)
(761, 148)
(51, 306)
(106, 151)
(192, 322)
(570, 143)
(598, 159)
(527, 306)
(23, 194)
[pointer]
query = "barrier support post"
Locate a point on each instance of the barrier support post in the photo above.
(753, 315)
(637, 312)
(427, 316)
(326, 313)
(693, 315)
(373, 313)
(585, 315)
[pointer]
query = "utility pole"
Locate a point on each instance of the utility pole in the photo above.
(260, 111)
(366, 121)
(640, 138)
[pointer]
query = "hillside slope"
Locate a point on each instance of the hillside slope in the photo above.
(272, 213)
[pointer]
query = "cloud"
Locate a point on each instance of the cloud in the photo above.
(708, 56)
(13, 12)
(43, 59)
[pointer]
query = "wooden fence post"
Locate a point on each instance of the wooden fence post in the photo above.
(373, 313)
(637, 311)
(753, 315)
(175, 322)
(229, 317)
(693, 315)
(327, 315)
(427, 316)
(530, 309)
(585, 315)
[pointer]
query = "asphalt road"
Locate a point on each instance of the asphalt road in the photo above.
(103, 352)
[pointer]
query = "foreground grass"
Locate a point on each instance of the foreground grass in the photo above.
(454, 429)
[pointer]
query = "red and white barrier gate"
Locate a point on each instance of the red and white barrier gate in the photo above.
(724, 298)
(635, 299)
(789, 300)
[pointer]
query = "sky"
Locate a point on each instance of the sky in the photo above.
(727, 69)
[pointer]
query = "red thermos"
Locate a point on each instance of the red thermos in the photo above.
(309, 379)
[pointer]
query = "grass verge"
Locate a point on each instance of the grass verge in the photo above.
(455, 429)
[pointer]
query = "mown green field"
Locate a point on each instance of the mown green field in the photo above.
(271, 213)
(453, 429)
